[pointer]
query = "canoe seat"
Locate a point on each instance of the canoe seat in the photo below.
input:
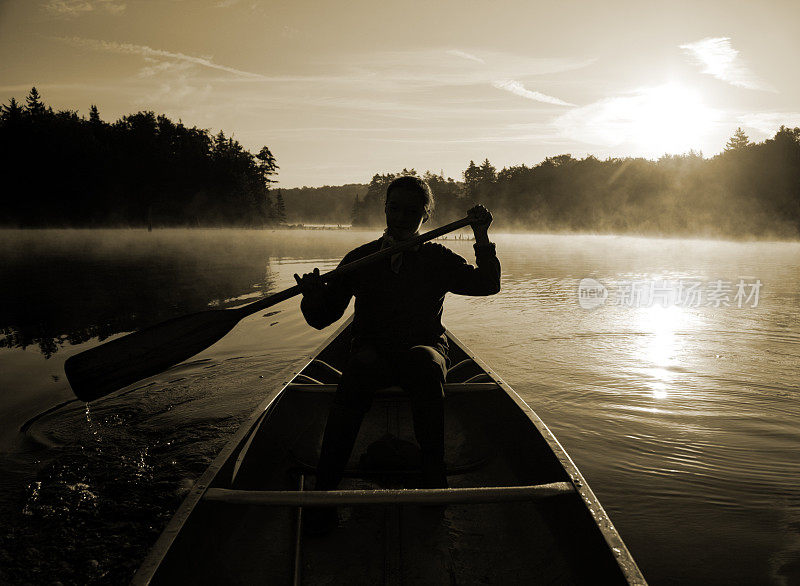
(480, 378)
(319, 371)
(395, 391)
(406, 496)
(303, 378)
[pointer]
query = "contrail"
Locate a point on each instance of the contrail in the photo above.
(517, 88)
(144, 51)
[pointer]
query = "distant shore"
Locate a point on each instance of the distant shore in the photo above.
(704, 236)
(301, 226)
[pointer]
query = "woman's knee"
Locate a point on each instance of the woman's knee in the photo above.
(423, 373)
(427, 361)
(366, 367)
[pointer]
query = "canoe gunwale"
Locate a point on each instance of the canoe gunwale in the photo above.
(622, 555)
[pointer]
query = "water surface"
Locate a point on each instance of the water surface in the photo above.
(684, 418)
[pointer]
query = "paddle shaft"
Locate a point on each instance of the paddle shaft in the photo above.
(356, 264)
(108, 367)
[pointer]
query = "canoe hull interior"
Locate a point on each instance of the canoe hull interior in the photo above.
(490, 442)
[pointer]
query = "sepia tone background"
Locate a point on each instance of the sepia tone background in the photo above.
(344, 90)
(181, 155)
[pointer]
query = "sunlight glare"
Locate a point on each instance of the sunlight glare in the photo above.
(666, 119)
(661, 321)
(659, 390)
(669, 119)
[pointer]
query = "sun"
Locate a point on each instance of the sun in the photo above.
(669, 119)
(651, 121)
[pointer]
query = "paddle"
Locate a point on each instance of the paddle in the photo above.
(106, 368)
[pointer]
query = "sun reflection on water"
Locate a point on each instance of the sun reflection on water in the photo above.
(662, 348)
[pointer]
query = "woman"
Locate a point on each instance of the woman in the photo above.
(398, 336)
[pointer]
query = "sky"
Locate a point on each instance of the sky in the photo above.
(340, 91)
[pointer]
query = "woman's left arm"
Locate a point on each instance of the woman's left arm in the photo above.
(464, 279)
(480, 226)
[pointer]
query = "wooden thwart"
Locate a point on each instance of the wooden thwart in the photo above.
(421, 496)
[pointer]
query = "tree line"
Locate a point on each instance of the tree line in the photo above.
(61, 169)
(144, 169)
(750, 190)
(330, 204)
(369, 211)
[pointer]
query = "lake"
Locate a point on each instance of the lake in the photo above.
(666, 368)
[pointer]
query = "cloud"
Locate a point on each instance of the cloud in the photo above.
(718, 58)
(72, 8)
(252, 5)
(464, 55)
(289, 32)
(412, 70)
(160, 67)
(154, 54)
(769, 122)
(392, 72)
(518, 89)
(175, 94)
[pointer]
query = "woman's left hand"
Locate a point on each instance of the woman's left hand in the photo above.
(480, 217)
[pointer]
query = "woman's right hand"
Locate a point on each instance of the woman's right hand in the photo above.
(310, 283)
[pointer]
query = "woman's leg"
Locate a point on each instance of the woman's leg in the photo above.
(422, 370)
(364, 373)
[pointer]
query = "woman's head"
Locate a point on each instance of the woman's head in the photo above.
(409, 204)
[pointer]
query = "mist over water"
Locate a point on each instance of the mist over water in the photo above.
(684, 418)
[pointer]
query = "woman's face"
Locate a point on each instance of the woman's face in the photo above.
(405, 213)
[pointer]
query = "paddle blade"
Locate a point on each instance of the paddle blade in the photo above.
(116, 364)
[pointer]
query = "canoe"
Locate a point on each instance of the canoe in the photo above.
(517, 511)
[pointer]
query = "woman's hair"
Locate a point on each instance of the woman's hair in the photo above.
(413, 183)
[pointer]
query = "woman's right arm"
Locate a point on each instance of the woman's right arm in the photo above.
(323, 303)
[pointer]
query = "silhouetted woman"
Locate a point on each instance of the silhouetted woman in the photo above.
(398, 336)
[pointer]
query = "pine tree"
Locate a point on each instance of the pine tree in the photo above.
(269, 207)
(472, 177)
(280, 207)
(94, 115)
(480, 181)
(268, 165)
(219, 144)
(35, 107)
(354, 220)
(738, 141)
(488, 172)
(12, 113)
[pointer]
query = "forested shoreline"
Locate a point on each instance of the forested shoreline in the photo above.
(63, 170)
(750, 190)
(329, 204)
